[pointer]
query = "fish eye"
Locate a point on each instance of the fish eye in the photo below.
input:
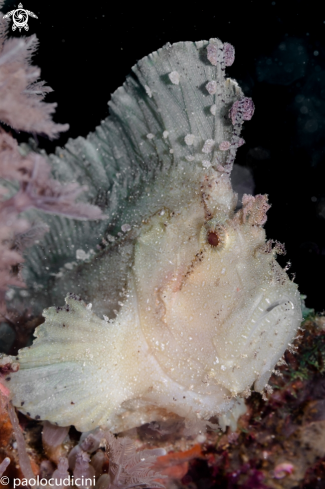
(213, 238)
(214, 234)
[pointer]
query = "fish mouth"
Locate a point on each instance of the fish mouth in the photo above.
(277, 325)
(277, 310)
(264, 336)
(275, 304)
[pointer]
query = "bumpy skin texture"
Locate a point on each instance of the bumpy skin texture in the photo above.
(206, 310)
(200, 325)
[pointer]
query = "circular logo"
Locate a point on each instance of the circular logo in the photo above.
(4, 480)
(20, 18)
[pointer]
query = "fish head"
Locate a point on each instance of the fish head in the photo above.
(216, 308)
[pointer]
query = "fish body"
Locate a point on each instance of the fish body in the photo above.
(196, 310)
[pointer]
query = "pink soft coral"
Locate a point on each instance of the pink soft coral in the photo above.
(22, 108)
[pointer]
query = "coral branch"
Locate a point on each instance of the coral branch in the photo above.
(21, 444)
(22, 107)
(21, 92)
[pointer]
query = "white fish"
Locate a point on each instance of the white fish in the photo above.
(203, 310)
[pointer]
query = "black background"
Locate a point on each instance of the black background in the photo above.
(86, 50)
